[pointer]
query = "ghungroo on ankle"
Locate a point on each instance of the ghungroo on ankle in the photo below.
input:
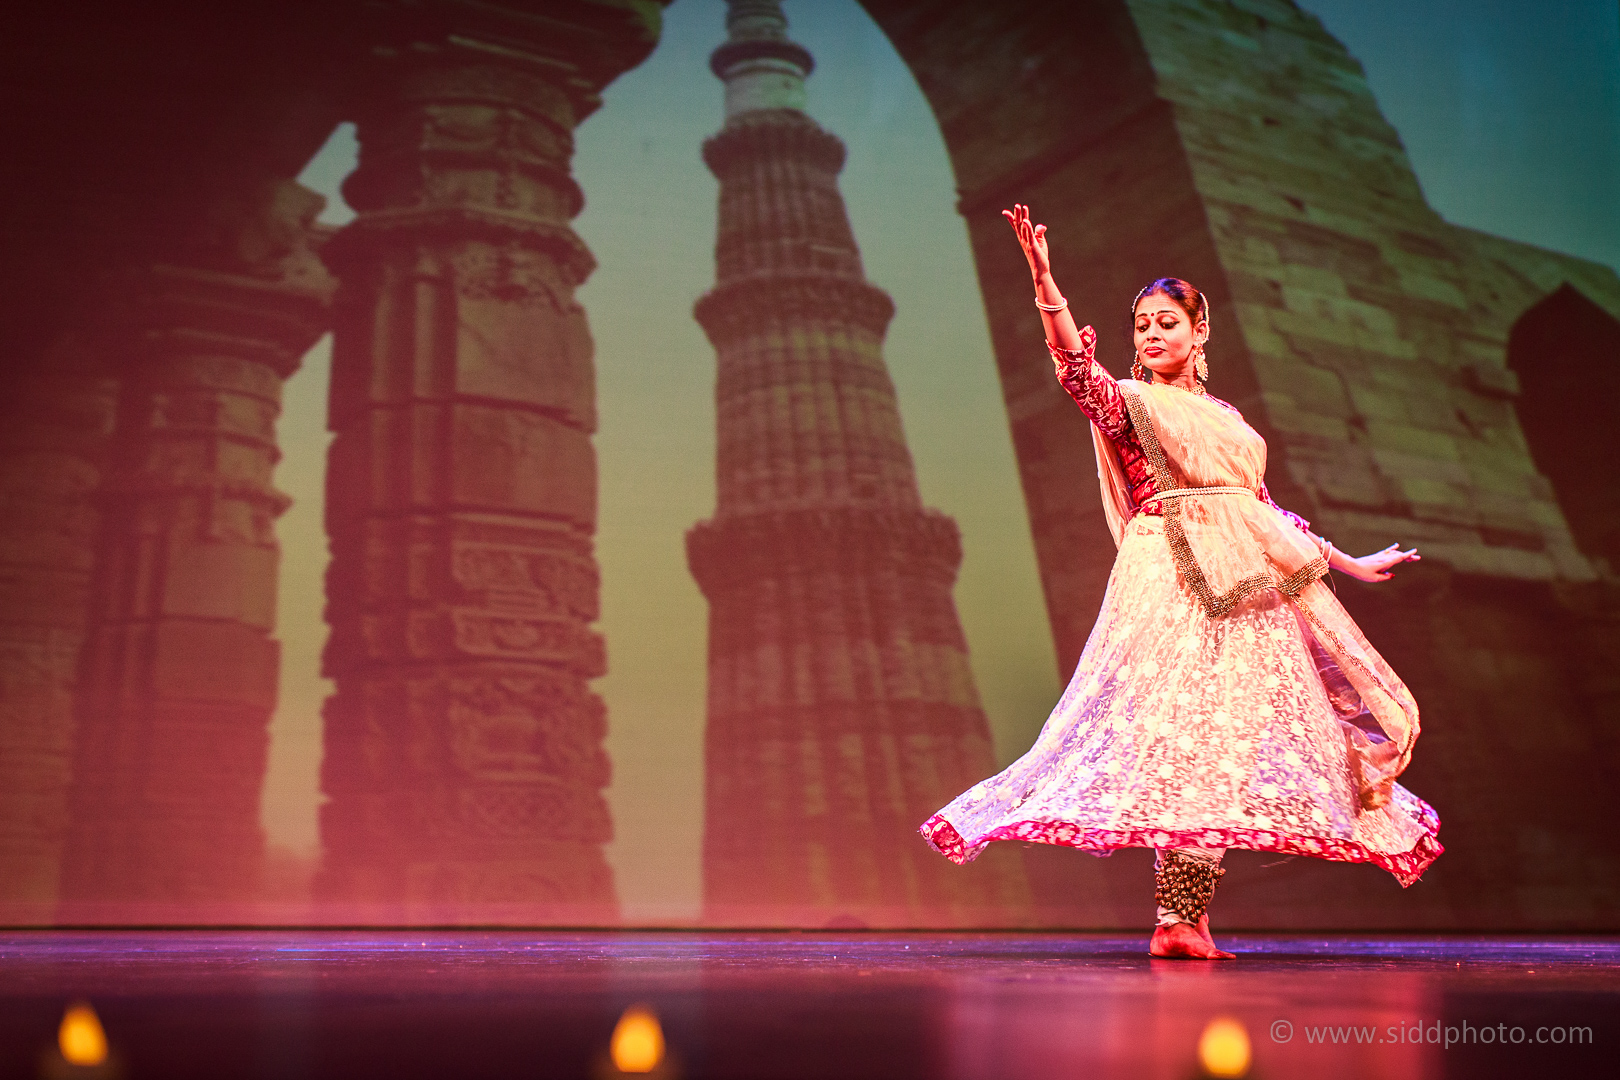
(1184, 884)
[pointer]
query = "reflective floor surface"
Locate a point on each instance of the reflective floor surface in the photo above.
(509, 1004)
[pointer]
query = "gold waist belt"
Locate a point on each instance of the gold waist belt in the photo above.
(1176, 493)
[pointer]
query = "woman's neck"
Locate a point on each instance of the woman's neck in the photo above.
(1183, 380)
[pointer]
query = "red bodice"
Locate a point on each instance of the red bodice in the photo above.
(1100, 398)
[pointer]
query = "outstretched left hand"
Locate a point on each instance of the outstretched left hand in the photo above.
(1377, 566)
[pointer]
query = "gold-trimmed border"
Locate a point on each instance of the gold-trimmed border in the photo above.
(1175, 534)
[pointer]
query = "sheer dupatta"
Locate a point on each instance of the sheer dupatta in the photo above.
(1229, 548)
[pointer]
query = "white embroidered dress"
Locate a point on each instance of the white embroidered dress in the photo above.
(1225, 698)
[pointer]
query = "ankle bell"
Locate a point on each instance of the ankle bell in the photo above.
(1185, 885)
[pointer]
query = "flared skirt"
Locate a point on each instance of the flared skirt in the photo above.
(1177, 729)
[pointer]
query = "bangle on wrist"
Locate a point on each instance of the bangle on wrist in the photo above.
(1063, 303)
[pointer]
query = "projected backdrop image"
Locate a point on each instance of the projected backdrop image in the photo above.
(597, 462)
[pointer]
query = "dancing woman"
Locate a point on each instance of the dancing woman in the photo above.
(1225, 698)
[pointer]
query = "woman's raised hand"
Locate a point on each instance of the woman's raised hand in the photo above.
(1032, 238)
(1377, 566)
(1060, 328)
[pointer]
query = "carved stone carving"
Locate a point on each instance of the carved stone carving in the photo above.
(178, 674)
(462, 485)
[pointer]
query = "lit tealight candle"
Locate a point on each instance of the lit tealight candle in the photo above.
(1223, 1049)
(638, 1041)
(80, 1037)
(81, 1048)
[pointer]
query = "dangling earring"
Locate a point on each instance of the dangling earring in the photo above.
(1200, 365)
(1138, 372)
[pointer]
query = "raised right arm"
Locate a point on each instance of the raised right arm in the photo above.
(1074, 351)
(1093, 389)
(1061, 330)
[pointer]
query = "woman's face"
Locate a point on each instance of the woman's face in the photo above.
(1165, 334)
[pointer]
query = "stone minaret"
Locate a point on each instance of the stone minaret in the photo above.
(841, 708)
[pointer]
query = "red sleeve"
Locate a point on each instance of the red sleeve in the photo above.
(1093, 389)
(1299, 522)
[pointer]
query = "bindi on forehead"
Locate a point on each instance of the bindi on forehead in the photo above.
(1159, 311)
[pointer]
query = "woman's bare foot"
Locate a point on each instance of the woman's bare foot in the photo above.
(1187, 942)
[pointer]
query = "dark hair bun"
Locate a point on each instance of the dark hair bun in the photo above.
(1182, 292)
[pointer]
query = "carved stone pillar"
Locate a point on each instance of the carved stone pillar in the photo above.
(179, 671)
(52, 440)
(464, 760)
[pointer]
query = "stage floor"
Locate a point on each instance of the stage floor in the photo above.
(509, 1004)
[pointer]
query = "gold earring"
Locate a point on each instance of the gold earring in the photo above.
(1138, 372)
(1200, 365)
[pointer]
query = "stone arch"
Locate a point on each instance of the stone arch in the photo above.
(1237, 144)
(1041, 106)
(1555, 348)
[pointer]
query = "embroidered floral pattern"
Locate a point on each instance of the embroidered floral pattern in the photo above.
(1407, 866)
(1181, 729)
(1093, 389)
(1099, 397)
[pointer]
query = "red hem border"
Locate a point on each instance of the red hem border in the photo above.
(1407, 866)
